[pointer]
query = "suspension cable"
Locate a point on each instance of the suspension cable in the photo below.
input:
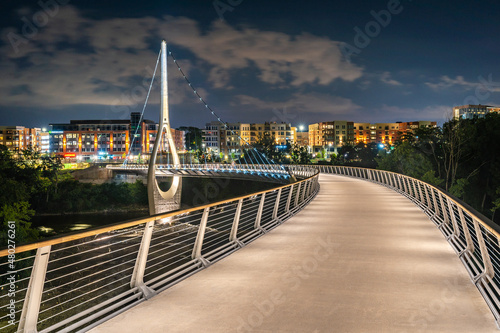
(256, 152)
(143, 109)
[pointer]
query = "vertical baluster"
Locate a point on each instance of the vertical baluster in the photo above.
(465, 228)
(488, 267)
(258, 218)
(400, 183)
(297, 195)
(434, 201)
(233, 236)
(198, 244)
(415, 192)
(31, 307)
(276, 205)
(137, 279)
(289, 200)
(426, 190)
(456, 231)
(304, 191)
(443, 208)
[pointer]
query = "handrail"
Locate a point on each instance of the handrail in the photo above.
(76, 281)
(487, 223)
(475, 239)
(121, 225)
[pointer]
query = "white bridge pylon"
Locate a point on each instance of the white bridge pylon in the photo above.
(164, 126)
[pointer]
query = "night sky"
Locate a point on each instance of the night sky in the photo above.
(252, 61)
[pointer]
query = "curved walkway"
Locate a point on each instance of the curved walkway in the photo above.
(358, 258)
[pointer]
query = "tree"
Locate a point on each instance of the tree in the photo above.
(299, 155)
(404, 159)
(266, 145)
(19, 182)
(462, 156)
(453, 149)
(496, 203)
(50, 166)
(346, 154)
(193, 137)
(199, 155)
(366, 154)
(429, 141)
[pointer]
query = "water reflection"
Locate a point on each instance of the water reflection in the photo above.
(196, 191)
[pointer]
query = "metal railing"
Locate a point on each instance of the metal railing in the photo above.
(77, 281)
(259, 169)
(475, 239)
(274, 168)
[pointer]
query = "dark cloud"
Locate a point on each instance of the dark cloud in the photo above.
(251, 71)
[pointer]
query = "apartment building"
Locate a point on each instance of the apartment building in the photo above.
(282, 132)
(470, 111)
(17, 138)
(302, 139)
(114, 139)
(386, 133)
(330, 135)
(229, 139)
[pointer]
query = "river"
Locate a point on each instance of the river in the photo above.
(195, 192)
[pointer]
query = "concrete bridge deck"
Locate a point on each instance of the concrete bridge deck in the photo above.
(358, 258)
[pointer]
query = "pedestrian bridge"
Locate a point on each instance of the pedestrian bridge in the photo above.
(369, 252)
(260, 172)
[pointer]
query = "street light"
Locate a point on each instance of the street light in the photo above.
(301, 128)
